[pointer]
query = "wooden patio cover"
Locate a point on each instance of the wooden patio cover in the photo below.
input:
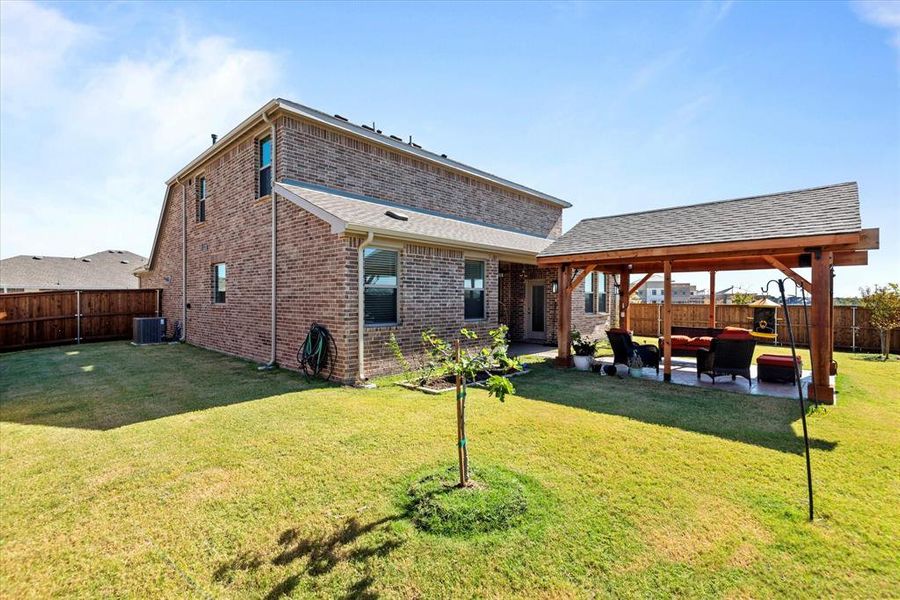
(818, 228)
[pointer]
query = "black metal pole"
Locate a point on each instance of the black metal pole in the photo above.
(798, 372)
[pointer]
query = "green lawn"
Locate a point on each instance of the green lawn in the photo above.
(170, 471)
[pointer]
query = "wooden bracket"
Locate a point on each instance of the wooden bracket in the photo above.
(638, 285)
(581, 276)
(796, 277)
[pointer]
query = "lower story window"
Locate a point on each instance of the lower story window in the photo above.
(473, 289)
(219, 283)
(380, 279)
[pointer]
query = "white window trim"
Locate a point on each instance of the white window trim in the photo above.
(215, 284)
(396, 322)
(483, 288)
(260, 167)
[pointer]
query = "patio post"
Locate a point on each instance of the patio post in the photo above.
(625, 299)
(667, 321)
(821, 344)
(712, 299)
(564, 316)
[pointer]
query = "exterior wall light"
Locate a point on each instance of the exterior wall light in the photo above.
(554, 287)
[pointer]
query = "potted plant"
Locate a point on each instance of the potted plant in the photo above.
(584, 351)
(635, 365)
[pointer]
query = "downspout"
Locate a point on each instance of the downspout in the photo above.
(271, 362)
(360, 302)
(183, 259)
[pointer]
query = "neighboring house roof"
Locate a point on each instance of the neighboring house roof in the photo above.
(822, 210)
(342, 124)
(355, 213)
(108, 269)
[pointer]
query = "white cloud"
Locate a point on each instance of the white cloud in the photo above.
(113, 131)
(881, 13)
(34, 43)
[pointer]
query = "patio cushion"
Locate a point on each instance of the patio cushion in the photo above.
(679, 340)
(774, 360)
(734, 333)
(700, 342)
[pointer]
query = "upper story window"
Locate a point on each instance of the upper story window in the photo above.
(473, 289)
(265, 167)
(590, 284)
(201, 199)
(380, 279)
(219, 283)
(601, 294)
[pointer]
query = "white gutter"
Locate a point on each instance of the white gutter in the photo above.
(274, 197)
(183, 260)
(360, 301)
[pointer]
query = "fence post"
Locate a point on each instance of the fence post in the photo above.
(853, 328)
(78, 316)
(658, 320)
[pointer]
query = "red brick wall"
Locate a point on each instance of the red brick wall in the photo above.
(512, 297)
(430, 297)
(315, 154)
(316, 270)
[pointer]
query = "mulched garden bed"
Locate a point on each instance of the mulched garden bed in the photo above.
(448, 382)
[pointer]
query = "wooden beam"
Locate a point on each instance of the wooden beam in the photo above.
(733, 248)
(625, 299)
(667, 321)
(793, 275)
(580, 277)
(712, 300)
(564, 317)
(638, 285)
(821, 326)
(841, 259)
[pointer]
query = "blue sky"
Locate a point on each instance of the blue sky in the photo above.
(614, 107)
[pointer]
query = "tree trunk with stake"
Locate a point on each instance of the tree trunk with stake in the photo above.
(461, 423)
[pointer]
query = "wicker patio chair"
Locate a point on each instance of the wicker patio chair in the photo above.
(623, 348)
(727, 357)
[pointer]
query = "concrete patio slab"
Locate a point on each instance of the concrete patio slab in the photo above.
(684, 372)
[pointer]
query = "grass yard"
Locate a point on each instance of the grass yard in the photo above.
(170, 471)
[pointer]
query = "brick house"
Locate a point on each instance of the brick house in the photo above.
(318, 201)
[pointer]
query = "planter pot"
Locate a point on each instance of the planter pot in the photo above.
(583, 363)
(635, 372)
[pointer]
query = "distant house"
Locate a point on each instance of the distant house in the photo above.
(652, 292)
(108, 269)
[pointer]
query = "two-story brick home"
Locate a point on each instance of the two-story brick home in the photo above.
(298, 217)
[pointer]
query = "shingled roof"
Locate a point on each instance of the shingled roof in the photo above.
(825, 210)
(107, 269)
(351, 212)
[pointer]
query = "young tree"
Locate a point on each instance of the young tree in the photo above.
(741, 298)
(883, 303)
(466, 365)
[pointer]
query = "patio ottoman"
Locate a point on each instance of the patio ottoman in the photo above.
(773, 368)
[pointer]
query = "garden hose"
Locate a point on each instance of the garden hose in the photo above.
(316, 355)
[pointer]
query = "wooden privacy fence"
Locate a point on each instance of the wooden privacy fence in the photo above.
(852, 329)
(32, 319)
